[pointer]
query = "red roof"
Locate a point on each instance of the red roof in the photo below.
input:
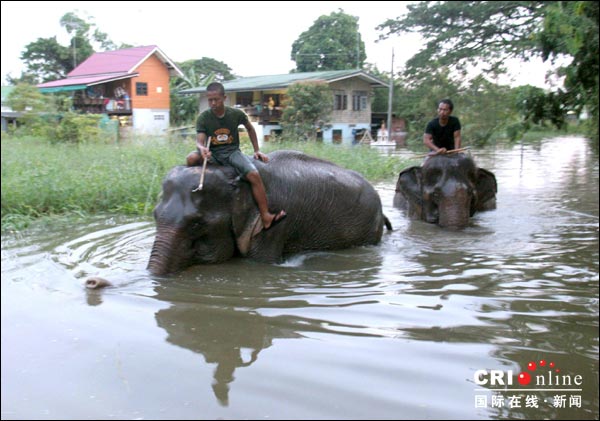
(111, 65)
(87, 80)
(113, 61)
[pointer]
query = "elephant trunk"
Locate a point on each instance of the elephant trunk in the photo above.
(454, 211)
(169, 252)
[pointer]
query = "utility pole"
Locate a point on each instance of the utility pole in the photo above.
(390, 98)
(75, 26)
(357, 49)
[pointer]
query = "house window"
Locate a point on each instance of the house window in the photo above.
(337, 136)
(141, 88)
(359, 100)
(340, 100)
(244, 98)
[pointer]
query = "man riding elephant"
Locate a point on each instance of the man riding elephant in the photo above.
(328, 207)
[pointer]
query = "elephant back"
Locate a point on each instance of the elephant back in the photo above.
(328, 206)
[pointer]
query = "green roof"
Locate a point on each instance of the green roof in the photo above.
(255, 83)
(62, 88)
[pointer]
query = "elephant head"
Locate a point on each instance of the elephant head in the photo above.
(447, 190)
(328, 207)
(193, 227)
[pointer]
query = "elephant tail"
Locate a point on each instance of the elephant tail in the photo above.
(387, 223)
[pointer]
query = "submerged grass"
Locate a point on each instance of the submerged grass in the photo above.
(40, 179)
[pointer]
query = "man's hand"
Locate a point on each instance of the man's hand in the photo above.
(205, 152)
(440, 151)
(261, 156)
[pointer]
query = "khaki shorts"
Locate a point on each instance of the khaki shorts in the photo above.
(242, 163)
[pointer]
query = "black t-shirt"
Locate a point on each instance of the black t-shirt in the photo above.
(222, 133)
(443, 136)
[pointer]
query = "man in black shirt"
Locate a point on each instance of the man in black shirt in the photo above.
(443, 133)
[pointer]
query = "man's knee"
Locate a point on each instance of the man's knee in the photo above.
(253, 176)
(193, 159)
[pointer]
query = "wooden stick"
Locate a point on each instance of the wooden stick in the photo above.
(452, 151)
(202, 173)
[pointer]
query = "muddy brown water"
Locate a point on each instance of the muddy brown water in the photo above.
(428, 324)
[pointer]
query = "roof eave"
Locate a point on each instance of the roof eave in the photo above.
(174, 70)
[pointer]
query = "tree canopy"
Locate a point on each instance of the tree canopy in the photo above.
(197, 73)
(331, 43)
(45, 59)
(460, 33)
(308, 109)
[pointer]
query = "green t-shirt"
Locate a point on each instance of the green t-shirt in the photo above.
(222, 133)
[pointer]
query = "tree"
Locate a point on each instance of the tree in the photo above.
(462, 33)
(308, 108)
(197, 73)
(458, 33)
(206, 66)
(331, 43)
(45, 59)
(571, 28)
(27, 98)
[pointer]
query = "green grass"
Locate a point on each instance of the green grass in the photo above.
(361, 158)
(40, 179)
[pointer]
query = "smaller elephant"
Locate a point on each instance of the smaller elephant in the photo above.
(447, 190)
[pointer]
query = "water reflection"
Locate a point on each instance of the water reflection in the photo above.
(229, 319)
(226, 336)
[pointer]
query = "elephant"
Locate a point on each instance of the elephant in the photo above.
(328, 207)
(447, 190)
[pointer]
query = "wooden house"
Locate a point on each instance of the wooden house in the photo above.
(351, 98)
(131, 85)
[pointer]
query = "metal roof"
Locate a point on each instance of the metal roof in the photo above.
(83, 81)
(109, 66)
(255, 83)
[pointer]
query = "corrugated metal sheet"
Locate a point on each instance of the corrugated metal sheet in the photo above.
(283, 81)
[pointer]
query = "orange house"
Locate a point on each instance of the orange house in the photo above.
(131, 85)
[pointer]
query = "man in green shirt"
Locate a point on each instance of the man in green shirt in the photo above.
(219, 126)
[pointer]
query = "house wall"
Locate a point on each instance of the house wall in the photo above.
(344, 123)
(348, 116)
(150, 121)
(150, 112)
(156, 75)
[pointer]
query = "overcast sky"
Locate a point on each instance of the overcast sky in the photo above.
(252, 38)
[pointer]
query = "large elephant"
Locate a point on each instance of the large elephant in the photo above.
(447, 190)
(327, 207)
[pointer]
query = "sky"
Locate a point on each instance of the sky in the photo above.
(252, 38)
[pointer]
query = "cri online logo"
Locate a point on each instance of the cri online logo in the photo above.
(549, 375)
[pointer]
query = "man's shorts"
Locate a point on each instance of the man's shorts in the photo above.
(240, 162)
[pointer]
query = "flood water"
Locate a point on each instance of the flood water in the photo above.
(430, 324)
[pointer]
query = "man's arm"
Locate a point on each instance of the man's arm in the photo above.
(252, 133)
(457, 139)
(201, 144)
(428, 141)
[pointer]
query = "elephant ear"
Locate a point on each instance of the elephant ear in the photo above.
(245, 218)
(486, 190)
(409, 184)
